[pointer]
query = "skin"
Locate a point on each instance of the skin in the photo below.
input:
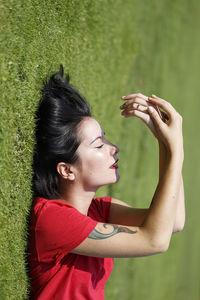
(79, 183)
(137, 105)
(152, 227)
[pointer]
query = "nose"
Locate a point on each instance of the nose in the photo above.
(115, 149)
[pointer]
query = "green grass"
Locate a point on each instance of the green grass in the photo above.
(110, 48)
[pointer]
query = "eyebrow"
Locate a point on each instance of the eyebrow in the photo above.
(99, 137)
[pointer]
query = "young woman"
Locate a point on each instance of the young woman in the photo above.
(74, 236)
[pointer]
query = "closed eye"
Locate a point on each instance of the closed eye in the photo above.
(100, 146)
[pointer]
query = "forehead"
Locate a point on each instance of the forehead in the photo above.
(89, 129)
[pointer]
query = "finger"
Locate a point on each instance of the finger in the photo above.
(135, 106)
(162, 114)
(136, 113)
(140, 107)
(137, 99)
(133, 96)
(165, 117)
(164, 105)
(159, 112)
(154, 96)
(128, 97)
(145, 117)
(155, 117)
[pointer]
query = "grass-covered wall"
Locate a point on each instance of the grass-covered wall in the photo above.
(110, 48)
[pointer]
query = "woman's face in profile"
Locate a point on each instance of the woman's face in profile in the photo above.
(97, 155)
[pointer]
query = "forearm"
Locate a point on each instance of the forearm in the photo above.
(180, 210)
(162, 158)
(159, 222)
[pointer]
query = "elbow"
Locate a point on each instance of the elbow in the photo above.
(157, 242)
(179, 226)
(164, 247)
(179, 222)
(160, 246)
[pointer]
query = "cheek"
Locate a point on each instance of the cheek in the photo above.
(93, 161)
(97, 160)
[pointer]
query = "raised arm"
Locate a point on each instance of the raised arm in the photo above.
(179, 220)
(137, 105)
(112, 240)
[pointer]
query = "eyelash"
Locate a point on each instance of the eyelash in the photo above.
(100, 146)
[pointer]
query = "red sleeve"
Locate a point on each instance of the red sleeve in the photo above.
(100, 209)
(59, 229)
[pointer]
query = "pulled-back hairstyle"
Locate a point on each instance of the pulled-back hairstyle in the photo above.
(60, 110)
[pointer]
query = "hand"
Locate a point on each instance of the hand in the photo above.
(168, 131)
(137, 105)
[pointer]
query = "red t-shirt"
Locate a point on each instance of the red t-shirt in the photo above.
(55, 229)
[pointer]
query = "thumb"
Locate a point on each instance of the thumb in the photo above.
(155, 117)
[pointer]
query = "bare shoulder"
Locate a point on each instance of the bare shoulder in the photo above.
(119, 202)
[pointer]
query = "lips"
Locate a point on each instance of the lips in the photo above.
(115, 166)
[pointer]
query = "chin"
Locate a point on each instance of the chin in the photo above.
(112, 182)
(117, 178)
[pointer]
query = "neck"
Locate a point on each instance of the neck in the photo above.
(77, 197)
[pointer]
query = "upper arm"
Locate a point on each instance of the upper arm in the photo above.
(111, 240)
(123, 236)
(124, 214)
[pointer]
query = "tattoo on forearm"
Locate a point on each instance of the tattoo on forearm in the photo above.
(114, 229)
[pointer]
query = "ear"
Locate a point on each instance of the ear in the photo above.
(65, 171)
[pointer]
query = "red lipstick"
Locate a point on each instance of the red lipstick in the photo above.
(115, 166)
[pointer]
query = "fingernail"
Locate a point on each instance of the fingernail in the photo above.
(123, 97)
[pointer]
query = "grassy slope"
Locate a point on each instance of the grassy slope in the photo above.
(110, 49)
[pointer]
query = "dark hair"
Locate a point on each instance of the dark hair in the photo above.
(60, 110)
